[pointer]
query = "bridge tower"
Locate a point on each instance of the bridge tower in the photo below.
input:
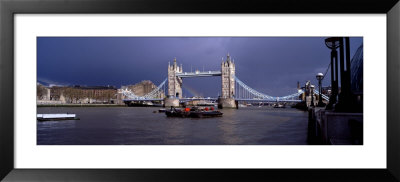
(174, 82)
(174, 85)
(227, 99)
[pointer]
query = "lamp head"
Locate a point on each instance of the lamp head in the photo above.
(331, 42)
(319, 76)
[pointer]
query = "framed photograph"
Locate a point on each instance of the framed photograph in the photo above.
(155, 90)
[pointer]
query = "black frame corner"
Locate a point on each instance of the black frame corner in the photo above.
(8, 8)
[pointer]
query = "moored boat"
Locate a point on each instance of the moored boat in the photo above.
(277, 105)
(56, 117)
(193, 112)
(205, 114)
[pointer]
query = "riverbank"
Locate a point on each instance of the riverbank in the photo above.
(80, 105)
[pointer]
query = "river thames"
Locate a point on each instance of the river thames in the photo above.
(141, 126)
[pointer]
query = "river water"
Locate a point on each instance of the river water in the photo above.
(140, 126)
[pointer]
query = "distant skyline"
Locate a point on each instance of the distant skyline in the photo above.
(271, 65)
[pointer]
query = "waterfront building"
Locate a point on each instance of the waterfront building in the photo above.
(76, 94)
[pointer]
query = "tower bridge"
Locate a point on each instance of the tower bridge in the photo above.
(232, 89)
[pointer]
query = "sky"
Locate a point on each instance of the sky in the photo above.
(271, 65)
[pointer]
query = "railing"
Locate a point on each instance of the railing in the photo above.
(199, 74)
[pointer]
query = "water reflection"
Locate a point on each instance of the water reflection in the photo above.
(228, 127)
(141, 126)
(175, 131)
(56, 125)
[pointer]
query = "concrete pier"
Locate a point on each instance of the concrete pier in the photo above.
(174, 102)
(227, 103)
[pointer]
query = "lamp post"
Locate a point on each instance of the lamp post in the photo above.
(319, 77)
(306, 91)
(333, 43)
(312, 95)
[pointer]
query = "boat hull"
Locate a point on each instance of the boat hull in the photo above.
(193, 114)
(56, 117)
(206, 114)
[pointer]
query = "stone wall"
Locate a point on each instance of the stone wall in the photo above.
(335, 127)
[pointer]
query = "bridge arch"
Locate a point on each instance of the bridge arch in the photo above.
(227, 73)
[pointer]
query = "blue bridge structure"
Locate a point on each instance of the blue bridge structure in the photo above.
(233, 90)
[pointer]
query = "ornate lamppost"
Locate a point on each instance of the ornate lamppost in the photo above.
(319, 77)
(344, 104)
(333, 43)
(312, 95)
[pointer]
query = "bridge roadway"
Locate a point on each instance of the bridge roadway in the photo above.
(266, 100)
(199, 74)
(215, 99)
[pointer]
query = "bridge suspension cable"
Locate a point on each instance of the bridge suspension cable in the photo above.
(243, 92)
(323, 96)
(246, 92)
(326, 71)
(157, 92)
(154, 94)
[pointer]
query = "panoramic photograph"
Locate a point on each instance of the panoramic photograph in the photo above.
(199, 91)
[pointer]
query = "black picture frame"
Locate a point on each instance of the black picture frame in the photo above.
(8, 8)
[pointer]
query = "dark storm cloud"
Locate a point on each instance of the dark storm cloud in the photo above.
(271, 65)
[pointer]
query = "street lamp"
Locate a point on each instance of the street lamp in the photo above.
(333, 43)
(319, 77)
(312, 95)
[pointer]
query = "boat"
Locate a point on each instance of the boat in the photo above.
(277, 105)
(56, 117)
(194, 112)
(148, 104)
(205, 114)
(176, 112)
